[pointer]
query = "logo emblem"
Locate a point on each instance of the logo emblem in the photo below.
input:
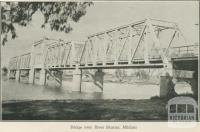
(182, 112)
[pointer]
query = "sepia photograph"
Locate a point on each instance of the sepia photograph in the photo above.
(100, 61)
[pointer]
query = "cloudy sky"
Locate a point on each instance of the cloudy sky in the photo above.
(105, 15)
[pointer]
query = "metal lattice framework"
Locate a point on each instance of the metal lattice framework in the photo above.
(63, 54)
(13, 63)
(20, 62)
(143, 41)
(147, 43)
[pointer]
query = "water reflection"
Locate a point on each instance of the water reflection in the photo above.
(12, 90)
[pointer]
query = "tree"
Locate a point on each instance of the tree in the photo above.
(57, 14)
(142, 74)
(120, 74)
(4, 71)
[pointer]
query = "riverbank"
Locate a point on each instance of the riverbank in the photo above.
(142, 110)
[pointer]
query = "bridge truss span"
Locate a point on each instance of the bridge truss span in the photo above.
(20, 62)
(146, 41)
(65, 55)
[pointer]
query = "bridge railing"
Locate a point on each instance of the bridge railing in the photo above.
(184, 51)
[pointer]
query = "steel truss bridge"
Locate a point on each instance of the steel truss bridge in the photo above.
(147, 43)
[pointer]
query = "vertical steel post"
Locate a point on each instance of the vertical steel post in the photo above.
(31, 71)
(43, 71)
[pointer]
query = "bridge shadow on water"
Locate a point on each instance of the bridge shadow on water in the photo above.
(13, 90)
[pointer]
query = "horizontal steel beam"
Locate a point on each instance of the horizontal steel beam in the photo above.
(196, 45)
(184, 58)
(117, 28)
(160, 65)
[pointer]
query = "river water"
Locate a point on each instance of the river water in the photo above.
(12, 90)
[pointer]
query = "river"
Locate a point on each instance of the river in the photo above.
(12, 90)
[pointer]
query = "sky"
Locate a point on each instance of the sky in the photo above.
(106, 15)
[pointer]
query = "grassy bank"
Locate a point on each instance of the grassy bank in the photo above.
(153, 109)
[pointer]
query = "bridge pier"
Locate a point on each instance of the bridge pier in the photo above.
(77, 78)
(98, 79)
(31, 76)
(8, 74)
(42, 80)
(11, 74)
(194, 85)
(166, 83)
(60, 76)
(166, 86)
(17, 76)
(187, 71)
